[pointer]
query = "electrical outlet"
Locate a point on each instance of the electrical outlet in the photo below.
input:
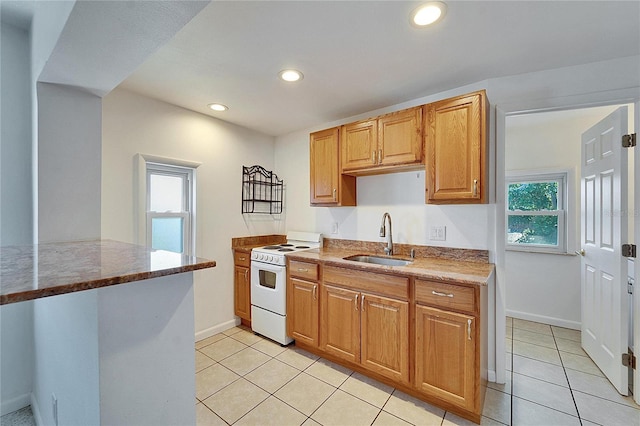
(54, 408)
(334, 228)
(438, 233)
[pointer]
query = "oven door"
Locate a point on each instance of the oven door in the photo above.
(268, 287)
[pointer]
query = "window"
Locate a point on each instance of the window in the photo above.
(170, 207)
(536, 212)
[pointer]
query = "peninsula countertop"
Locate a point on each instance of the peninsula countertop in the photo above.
(429, 268)
(49, 269)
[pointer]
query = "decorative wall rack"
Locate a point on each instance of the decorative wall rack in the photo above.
(261, 191)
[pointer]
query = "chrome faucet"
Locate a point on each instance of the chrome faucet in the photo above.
(388, 250)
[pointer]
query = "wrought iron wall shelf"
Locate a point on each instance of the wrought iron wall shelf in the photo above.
(261, 191)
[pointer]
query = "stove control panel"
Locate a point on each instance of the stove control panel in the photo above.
(274, 259)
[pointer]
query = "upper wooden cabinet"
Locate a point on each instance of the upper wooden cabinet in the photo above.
(389, 143)
(328, 186)
(456, 150)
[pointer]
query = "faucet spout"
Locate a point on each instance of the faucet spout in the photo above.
(389, 248)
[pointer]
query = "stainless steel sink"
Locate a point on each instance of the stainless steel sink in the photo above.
(378, 260)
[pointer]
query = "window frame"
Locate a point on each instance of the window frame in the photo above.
(562, 212)
(147, 165)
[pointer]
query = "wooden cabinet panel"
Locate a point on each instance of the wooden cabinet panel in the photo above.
(455, 145)
(304, 270)
(389, 285)
(385, 336)
(340, 323)
(242, 292)
(359, 145)
(400, 137)
(302, 311)
(446, 296)
(328, 185)
(446, 356)
(241, 258)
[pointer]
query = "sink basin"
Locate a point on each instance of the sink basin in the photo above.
(378, 260)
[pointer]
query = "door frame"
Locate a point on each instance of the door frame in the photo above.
(526, 106)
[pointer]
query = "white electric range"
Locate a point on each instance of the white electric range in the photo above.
(269, 284)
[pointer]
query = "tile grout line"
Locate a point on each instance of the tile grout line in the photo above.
(564, 370)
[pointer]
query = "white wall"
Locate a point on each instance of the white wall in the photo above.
(16, 321)
(133, 124)
(548, 140)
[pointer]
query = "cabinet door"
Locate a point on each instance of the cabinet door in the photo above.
(242, 292)
(324, 166)
(400, 137)
(455, 145)
(385, 336)
(302, 311)
(446, 355)
(340, 322)
(359, 145)
(328, 186)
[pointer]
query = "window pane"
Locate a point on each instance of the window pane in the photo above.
(541, 230)
(166, 193)
(166, 234)
(533, 196)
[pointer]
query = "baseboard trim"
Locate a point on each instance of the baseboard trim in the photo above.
(559, 322)
(491, 376)
(35, 409)
(14, 404)
(203, 334)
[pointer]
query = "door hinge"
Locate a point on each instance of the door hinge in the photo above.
(629, 250)
(629, 360)
(630, 285)
(629, 141)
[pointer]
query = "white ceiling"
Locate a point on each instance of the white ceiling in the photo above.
(358, 56)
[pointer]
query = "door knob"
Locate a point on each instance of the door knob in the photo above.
(581, 252)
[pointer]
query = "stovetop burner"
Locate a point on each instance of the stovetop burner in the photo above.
(286, 245)
(302, 247)
(271, 247)
(285, 249)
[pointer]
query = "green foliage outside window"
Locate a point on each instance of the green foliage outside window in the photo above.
(533, 197)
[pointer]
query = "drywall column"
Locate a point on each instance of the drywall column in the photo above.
(66, 327)
(16, 321)
(69, 163)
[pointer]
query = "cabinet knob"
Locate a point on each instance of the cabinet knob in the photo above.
(475, 187)
(469, 329)
(335, 194)
(379, 156)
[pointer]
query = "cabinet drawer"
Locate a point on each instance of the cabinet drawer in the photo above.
(389, 285)
(444, 295)
(308, 271)
(241, 258)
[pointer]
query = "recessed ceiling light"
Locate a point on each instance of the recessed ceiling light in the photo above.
(428, 13)
(291, 75)
(218, 107)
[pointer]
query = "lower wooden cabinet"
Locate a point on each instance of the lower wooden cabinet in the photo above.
(302, 311)
(366, 329)
(384, 328)
(446, 356)
(242, 286)
(426, 338)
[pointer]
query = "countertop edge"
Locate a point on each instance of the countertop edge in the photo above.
(33, 294)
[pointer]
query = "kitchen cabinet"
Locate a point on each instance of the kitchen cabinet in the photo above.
(361, 321)
(302, 302)
(456, 150)
(242, 286)
(389, 143)
(447, 349)
(328, 187)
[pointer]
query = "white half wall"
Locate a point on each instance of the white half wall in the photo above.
(16, 212)
(134, 124)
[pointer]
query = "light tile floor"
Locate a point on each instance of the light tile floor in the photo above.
(244, 379)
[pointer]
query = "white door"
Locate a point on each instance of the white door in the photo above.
(605, 313)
